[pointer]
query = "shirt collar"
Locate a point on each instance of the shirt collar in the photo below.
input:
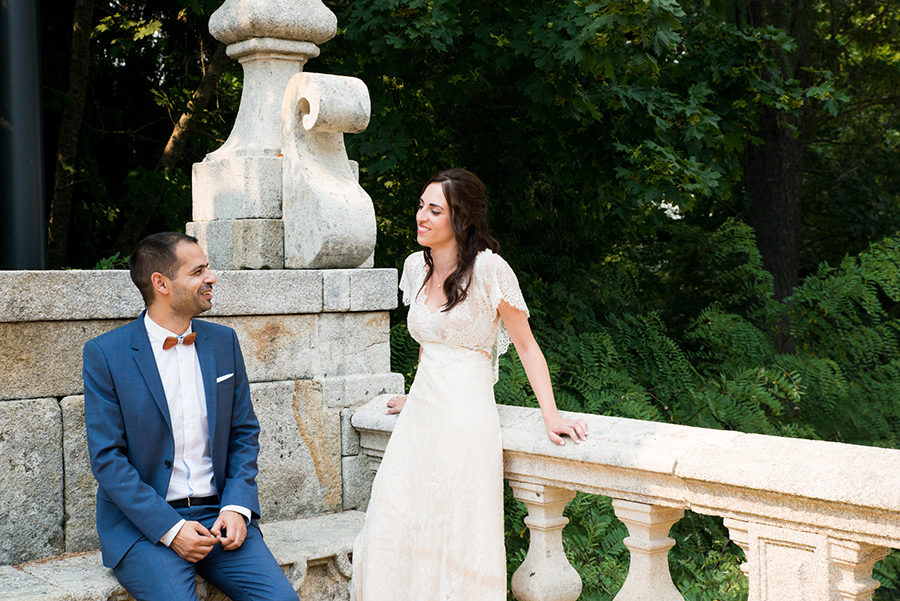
(158, 334)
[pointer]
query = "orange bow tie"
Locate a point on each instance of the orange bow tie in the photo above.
(172, 340)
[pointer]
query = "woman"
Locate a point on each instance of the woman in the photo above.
(434, 526)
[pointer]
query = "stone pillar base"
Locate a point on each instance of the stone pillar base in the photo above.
(237, 188)
(241, 243)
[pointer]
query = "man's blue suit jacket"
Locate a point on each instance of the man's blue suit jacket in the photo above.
(129, 431)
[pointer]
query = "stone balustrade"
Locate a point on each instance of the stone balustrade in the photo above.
(812, 517)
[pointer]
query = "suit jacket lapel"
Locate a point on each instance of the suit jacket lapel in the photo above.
(146, 362)
(207, 357)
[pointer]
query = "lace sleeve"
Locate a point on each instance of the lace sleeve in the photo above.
(504, 286)
(409, 280)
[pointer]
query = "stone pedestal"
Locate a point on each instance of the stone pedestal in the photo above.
(280, 192)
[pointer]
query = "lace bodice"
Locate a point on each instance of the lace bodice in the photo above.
(473, 324)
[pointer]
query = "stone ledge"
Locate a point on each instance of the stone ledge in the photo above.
(296, 544)
(79, 295)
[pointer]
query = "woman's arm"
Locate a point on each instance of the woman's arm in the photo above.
(539, 376)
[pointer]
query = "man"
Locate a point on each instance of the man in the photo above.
(173, 440)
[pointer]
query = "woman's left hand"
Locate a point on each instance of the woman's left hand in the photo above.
(395, 404)
(557, 427)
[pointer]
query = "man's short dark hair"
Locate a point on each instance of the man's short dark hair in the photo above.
(155, 253)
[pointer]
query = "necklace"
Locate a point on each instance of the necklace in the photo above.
(439, 280)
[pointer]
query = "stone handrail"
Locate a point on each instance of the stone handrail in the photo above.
(812, 517)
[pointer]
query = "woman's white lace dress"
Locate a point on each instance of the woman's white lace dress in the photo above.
(434, 525)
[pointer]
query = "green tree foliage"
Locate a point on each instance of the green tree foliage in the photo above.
(147, 60)
(613, 137)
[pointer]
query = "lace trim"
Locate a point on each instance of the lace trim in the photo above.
(493, 282)
(413, 272)
(504, 286)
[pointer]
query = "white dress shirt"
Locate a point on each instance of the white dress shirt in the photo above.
(182, 380)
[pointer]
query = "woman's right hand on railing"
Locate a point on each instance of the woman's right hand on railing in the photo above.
(395, 404)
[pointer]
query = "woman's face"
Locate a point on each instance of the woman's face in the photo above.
(433, 227)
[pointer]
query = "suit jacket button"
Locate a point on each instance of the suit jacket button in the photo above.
(167, 463)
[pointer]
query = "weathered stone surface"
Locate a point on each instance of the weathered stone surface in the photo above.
(16, 585)
(241, 243)
(31, 480)
(336, 290)
(359, 289)
(266, 292)
(98, 295)
(80, 487)
(545, 573)
(268, 64)
(258, 244)
(327, 580)
(373, 289)
(80, 576)
(216, 239)
(237, 188)
(67, 295)
(353, 343)
(304, 20)
(329, 220)
(373, 417)
(791, 565)
(42, 359)
(300, 454)
(356, 389)
(856, 474)
(313, 538)
(349, 436)
(277, 347)
(357, 482)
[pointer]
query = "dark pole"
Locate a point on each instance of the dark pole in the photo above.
(22, 221)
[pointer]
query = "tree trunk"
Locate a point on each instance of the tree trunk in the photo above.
(773, 169)
(773, 173)
(185, 125)
(133, 229)
(70, 126)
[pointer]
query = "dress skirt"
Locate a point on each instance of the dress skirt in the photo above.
(434, 525)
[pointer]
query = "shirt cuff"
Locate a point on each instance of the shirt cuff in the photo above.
(237, 508)
(169, 536)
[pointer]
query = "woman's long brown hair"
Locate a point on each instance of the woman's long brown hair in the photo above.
(467, 200)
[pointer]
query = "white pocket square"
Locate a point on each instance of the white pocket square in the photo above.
(225, 377)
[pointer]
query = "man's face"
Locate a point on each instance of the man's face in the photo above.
(193, 281)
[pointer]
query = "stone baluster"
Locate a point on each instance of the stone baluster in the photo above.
(648, 541)
(792, 565)
(851, 569)
(546, 574)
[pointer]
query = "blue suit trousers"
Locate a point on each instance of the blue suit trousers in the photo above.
(151, 571)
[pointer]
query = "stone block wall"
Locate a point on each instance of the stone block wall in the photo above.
(316, 346)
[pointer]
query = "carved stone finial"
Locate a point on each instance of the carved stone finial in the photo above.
(300, 20)
(280, 192)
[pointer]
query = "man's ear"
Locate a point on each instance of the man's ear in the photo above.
(160, 283)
